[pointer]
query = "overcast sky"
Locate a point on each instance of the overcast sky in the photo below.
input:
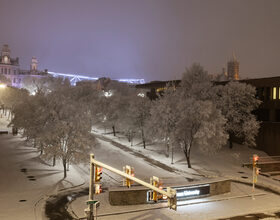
(150, 39)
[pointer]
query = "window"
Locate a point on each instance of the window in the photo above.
(9, 71)
(5, 70)
(6, 60)
(274, 93)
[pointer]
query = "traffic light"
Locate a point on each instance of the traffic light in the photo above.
(258, 170)
(98, 173)
(155, 182)
(255, 160)
(172, 202)
(160, 196)
(98, 188)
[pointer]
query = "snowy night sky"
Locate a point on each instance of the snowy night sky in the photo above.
(150, 39)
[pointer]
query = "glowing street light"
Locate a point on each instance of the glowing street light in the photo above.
(3, 86)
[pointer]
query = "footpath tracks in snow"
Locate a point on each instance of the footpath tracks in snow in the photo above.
(188, 176)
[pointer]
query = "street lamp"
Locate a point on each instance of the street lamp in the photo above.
(3, 86)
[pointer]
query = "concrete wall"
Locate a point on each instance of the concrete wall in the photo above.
(138, 194)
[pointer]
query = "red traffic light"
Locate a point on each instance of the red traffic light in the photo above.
(98, 173)
(255, 157)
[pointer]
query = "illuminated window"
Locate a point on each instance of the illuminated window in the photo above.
(279, 92)
(274, 93)
(6, 60)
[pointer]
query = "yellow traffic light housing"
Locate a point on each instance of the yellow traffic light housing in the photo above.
(98, 173)
(172, 202)
(255, 160)
(98, 188)
(130, 171)
(258, 170)
(155, 182)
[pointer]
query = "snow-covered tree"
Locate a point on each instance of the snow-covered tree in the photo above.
(44, 84)
(67, 132)
(237, 101)
(164, 116)
(139, 112)
(115, 103)
(198, 122)
(200, 125)
(59, 123)
(196, 83)
(11, 96)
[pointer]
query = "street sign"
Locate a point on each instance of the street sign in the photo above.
(89, 202)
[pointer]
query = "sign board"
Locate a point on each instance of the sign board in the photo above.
(94, 202)
(186, 192)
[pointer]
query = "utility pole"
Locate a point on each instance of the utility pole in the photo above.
(89, 210)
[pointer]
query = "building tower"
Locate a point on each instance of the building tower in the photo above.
(34, 65)
(5, 54)
(233, 69)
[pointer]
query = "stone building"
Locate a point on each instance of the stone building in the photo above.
(10, 68)
(8, 65)
(233, 69)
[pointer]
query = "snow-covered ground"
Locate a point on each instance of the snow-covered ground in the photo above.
(40, 180)
(227, 163)
(26, 180)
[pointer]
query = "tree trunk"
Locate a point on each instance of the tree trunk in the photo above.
(187, 152)
(64, 168)
(9, 114)
(129, 137)
(167, 149)
(189, 162)
(53, 161)
(230, 141)
(68, 164)
(172, 155)
(114, 131)
(143, 138)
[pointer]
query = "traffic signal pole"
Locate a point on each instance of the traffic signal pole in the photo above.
(171, 194)
(91, 188)
(255, 173)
